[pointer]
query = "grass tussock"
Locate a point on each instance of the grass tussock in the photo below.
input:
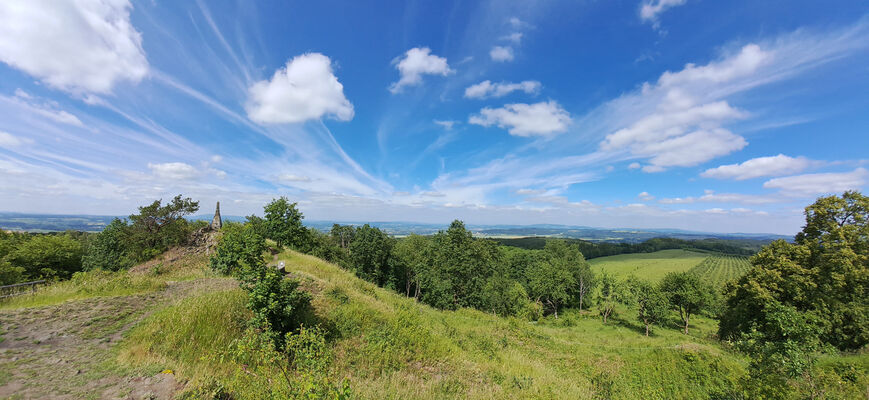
(184, 336)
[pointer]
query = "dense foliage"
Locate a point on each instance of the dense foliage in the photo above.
(594, 250)
(825, 273)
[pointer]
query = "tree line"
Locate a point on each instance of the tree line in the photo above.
(121, 244)
(594, 250)
(451, 269)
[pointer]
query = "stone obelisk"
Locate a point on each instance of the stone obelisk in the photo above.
(216, 223)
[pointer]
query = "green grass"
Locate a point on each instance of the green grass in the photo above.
(650, 266)
(100, 283)
(719, 269)
(389, 346)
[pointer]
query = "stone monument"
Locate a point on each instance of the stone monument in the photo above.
(216, 223)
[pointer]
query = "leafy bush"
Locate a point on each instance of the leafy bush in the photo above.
(239, 248)
(107, 249)
(48, 256)
(278, 306)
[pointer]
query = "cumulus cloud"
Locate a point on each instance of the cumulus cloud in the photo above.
(645, 196)
(539, 119)
(823, 183)
(651, 9)
(682, 129)
(305, 89)
(75, 46)
(501, 53)
(487, 89)
(174, 171)
(758, 167)
(415, 63)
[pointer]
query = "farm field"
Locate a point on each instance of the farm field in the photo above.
(719, 269)
(650, 266)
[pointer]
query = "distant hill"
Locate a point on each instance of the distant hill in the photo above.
(95, 223)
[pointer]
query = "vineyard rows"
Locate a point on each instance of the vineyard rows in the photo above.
(719, 269)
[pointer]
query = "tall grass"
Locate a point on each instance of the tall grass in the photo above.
(82, 285)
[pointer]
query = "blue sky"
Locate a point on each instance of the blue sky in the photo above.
(693, 114)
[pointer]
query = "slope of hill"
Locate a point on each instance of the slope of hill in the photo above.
(388, 346)
(171, 338)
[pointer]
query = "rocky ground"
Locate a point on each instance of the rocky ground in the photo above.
(65, 351)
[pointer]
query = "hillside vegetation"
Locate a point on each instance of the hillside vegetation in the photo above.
(388, 346)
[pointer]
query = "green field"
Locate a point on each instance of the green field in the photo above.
(651, 266)
(720, 269)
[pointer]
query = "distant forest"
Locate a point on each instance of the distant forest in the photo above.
(739, 247)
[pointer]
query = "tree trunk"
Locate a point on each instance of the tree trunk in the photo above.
(646, 322)
(686, 324)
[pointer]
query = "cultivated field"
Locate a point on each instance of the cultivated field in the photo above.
(719, 269)
(651, 266)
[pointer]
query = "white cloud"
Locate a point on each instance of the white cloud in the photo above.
(75, 46)
(447, 124)
(515, 37)
(7, 140)
(174, 171)
(680, 128)
(487, 89)
(758, 167)
(289, 178)
(635, 165)
(415, 63)
(645, 196)
(517, 23)
(710, 196)
(815, 184)
(691, 149)
(501, 53)
(305, 89)
(650, 9)
(47, 109)
(539, 119)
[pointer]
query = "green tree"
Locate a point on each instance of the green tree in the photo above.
(342, 235)
(107, 250)
(283, 224)
(505, 296)
(10, 274)
(687, 294)
(414, 254)
(550, 284)
(612, 292)
(48, 256)
(652, 304)
(157, 227)
(460, 268)
(279, 306)
(240, 248)
(371, 255)
(824, 272)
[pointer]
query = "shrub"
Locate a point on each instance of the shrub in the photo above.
(240, 248)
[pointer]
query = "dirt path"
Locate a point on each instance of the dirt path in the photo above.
(64, 351)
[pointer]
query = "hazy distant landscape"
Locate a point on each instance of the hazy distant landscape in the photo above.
(95, 223)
